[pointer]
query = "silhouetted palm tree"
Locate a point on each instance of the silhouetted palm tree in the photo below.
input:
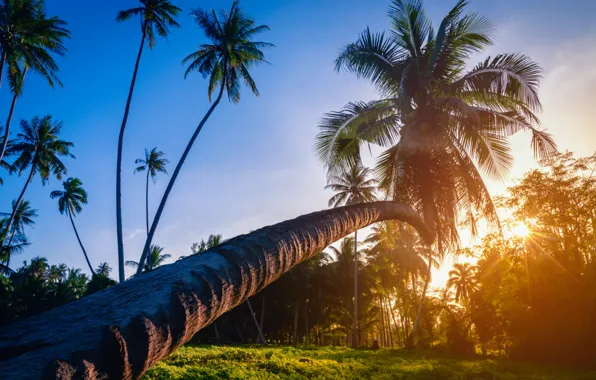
(39, 148)
(212, 241)
(353, 186)
(24, 217)
(157, 16)
(104, 269)
(227, 62)
(71, 201)
(157, 258)
(462, 278)
(28, 38)
(442, 126)
(153, 163)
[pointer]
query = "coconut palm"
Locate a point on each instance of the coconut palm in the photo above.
(104, 269)
(443, 127)
(462, 278)
(353, 186)
(189, 295)
(227, 61)
(24, 216)
(157, 17)
(157, 259)
(203, 246)
(14, 246)
(153, 163)
(71, 201)
(39, 149)
(28, 39)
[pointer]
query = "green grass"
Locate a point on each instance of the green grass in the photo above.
(257, 362)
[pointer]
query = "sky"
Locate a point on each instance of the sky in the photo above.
(253, 164)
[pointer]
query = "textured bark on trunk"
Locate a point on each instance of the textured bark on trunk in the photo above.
(119, 333)
(121, 276)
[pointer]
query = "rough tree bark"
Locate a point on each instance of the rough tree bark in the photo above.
(119, 333)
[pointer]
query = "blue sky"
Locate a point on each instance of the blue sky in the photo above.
(253, 163)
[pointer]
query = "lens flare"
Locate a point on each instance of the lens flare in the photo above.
(521, 230)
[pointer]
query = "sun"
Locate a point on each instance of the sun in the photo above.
(520, 230)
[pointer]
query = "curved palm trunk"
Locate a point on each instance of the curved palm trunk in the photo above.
(80, 243)
(355, 326)
(19, 199)
(119, 334)
(121, 276)
(164, 199)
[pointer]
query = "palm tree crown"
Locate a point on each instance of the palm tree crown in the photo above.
(71, 199)
(231, 54)
(443, 127)
(24, 217)
(463, 279)
(28, 37)
(39, 147)
(352, 186)
(103, 269)
(153, 163)
(157, 16)
(157, 259)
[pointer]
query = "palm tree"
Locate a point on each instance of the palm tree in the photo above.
(353, 186)
(226, 61)
(157, 259)
(443, 127)
(203, 246)
(28, 38)
(17, 244)
(189, 295)
(24, 216)
(71, 201)
(152, 164)
(103, 269)
(38, 147)
(157, 16)
(462, 278)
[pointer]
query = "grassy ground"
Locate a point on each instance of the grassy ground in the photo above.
(256, 362)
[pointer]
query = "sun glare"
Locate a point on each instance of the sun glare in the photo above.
(521, 230)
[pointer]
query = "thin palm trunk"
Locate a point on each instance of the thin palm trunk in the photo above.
(2, 63)
(296, 314)
(388, 319)
(164, 199)
(355, 327)
(8, 253)
(147, 214)
(125, 334)
(392, 311)
(254, 318)
(262, 314)
(119, 165)
(7, 126)
(79, 239)
(20, 198)
(306, 329)
(426, 282)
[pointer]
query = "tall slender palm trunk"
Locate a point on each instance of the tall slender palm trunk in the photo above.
(254, 318)
(80, 243)
(355, 327)
(2, 63)
(10, 113)
(19, 199)
(149, 263)
(164, 199)
(119, 164)
(426, 282)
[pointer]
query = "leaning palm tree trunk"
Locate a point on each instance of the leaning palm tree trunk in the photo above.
(19, 199)
(80, 243)
(119, 334)
(121, 276)
(149, 263)
(254, 318)
(164, 199)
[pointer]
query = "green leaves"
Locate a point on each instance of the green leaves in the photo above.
(227, 60)
(157, 16)
(72, 198)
